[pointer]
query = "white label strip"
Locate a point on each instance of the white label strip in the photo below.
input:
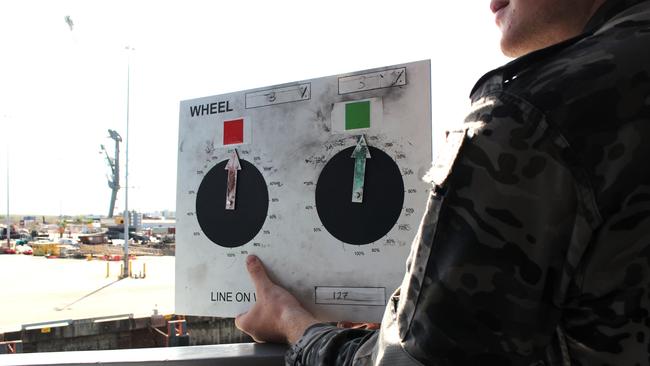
(368, 296)
(373, 80)
(287, 94)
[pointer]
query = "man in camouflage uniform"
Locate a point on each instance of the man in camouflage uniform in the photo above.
(535, 246)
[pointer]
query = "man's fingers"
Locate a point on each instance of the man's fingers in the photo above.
(258, 273)
(240, 321)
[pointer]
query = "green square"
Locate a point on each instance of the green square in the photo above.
(357, 115)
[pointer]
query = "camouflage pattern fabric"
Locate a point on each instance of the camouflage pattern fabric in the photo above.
(535, 247)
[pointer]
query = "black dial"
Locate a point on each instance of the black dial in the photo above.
(232, 228)
(383, 197)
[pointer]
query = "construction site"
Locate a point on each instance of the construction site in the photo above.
(77, 283)
(91, 236)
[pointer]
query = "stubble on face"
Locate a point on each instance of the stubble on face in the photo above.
(529, 25)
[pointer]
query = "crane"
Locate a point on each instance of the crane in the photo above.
(114, 164)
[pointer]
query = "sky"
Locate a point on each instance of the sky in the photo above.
(62, 88)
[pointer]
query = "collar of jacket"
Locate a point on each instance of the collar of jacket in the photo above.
(607, 11)
(505, 73)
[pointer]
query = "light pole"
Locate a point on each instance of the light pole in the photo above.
(8, 220)
(126, 167)
(125, 272)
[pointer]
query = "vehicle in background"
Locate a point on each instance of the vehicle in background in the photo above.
(42, 240)
(120, 242)
(69, 251)
(92, 239)
(24, 249)
(140, 239)
(69, 241)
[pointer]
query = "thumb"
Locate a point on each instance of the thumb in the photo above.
(257, 272)
(240, 321)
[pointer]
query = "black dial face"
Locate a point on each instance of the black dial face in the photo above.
(383, 197)
(232, 228)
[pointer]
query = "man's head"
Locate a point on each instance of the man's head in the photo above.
(528, 25)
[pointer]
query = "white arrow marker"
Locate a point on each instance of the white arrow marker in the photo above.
(231, 188)
(360, 154)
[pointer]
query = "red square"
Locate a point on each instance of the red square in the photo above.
(233, 132)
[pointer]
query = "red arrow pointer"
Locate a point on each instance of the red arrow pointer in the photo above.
(231, 188)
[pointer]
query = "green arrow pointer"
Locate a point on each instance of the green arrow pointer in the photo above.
(360, 154)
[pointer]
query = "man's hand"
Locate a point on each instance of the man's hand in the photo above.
(276, 316)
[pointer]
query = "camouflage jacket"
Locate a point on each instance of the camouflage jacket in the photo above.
(535, 246)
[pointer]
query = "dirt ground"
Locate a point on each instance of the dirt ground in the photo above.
(37, 289)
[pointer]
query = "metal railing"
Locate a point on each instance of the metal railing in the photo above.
(10, 347)
(240, 354)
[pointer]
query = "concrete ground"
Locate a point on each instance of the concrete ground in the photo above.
(37, 289)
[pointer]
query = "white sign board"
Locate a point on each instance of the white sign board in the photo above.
(319, 178)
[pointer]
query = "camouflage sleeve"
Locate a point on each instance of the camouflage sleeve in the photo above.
(324, 344)
(504, 231)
